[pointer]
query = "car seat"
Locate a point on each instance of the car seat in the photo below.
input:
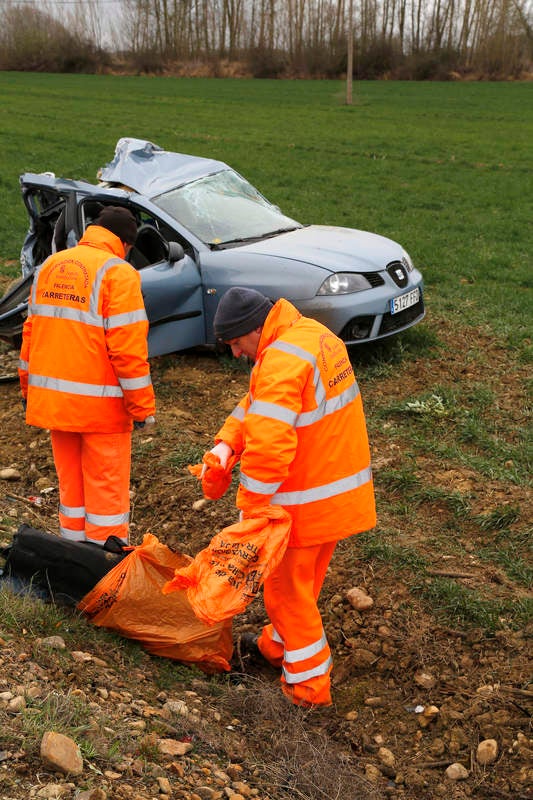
(149, 248)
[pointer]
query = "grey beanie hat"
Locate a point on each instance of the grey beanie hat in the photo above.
(239, 312)
(119, 221)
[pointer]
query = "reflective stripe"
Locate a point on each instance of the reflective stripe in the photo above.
(65, 312)
(74, 387)
(72, 511)
(273, 411)
(328, 406)
(128, 318)
(135, 383)
(238, 413)
(259, 487)
(105, 520)
(97, 284)
(293, 350)
(323, 492)
(72, 536)
(292, 656)
(24, 365)
(300, 677)
(276, 637)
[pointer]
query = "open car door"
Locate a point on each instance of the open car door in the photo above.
(59, 210)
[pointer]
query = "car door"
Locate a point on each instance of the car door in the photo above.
(171, 286)
(59, 211)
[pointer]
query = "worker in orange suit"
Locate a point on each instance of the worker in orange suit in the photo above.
(85, 376)
(300, 434)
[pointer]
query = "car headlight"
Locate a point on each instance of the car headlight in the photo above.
(344, 283)
(406, 261)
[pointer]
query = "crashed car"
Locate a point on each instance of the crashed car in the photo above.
(203, 228)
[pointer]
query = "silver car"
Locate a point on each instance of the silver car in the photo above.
(202, 229)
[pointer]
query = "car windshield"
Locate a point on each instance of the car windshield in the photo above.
(224, 208)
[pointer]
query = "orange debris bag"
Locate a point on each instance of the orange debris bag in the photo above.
(226, 576)
(130, 601)
(216, 479)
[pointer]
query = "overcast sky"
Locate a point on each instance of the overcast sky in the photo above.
(105, 13)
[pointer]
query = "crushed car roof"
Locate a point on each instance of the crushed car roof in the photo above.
(149, 170)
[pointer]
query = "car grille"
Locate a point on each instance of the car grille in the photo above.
(391, 322)
(374, 279)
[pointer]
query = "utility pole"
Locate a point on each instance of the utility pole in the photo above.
(349, 56)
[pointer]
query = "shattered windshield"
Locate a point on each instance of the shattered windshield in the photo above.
(224, 208)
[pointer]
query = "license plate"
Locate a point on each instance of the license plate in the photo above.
(404, 301)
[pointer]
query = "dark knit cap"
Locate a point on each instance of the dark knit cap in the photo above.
(239, 312)
(119, 221)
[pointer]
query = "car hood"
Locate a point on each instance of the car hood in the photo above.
(150, 170)
(332, 248)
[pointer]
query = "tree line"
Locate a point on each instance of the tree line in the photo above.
(402, 39)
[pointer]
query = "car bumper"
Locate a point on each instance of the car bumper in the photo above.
(356, 319)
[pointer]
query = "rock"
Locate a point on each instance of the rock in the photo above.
(16, 704)
(54, 642)
(456, 772)
(428, 715)
(359, 599)
(61, 753)
(80, 656)
(242, 788)
(206, 793)
(425, 679)
(372, 773)
(386, 757)
(53, 790)
(92, 794)
(487, 751)
(170, 747)
(178, 707)
(198, 505)
(10, 474)
(164, 785)
(375, 702)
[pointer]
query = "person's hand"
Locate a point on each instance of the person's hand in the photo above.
(224, 453)
(140, 423)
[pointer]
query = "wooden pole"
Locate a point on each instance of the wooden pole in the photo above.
(349, 56)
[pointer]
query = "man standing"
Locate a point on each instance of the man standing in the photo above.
(84, 373)
(301, 437)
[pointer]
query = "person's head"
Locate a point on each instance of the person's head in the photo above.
(239, 320)
(119, 221)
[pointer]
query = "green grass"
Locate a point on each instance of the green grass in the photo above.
(444, 168)
(457, 605)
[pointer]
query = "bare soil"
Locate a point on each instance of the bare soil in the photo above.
(395, 658)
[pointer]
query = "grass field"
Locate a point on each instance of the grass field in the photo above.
(444, 168)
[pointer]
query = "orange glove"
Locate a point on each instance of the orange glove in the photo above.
(215, 477)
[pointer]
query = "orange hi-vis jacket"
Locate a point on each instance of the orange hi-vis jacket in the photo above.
(301, 432)
(84, 357)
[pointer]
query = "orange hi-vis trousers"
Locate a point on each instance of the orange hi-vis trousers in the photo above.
(94, 482)
(295, 639)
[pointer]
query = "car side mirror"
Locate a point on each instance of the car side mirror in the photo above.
(175, 252)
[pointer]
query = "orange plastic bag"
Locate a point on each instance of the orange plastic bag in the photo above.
(216, 479)
(129, 600)
(226, 576)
